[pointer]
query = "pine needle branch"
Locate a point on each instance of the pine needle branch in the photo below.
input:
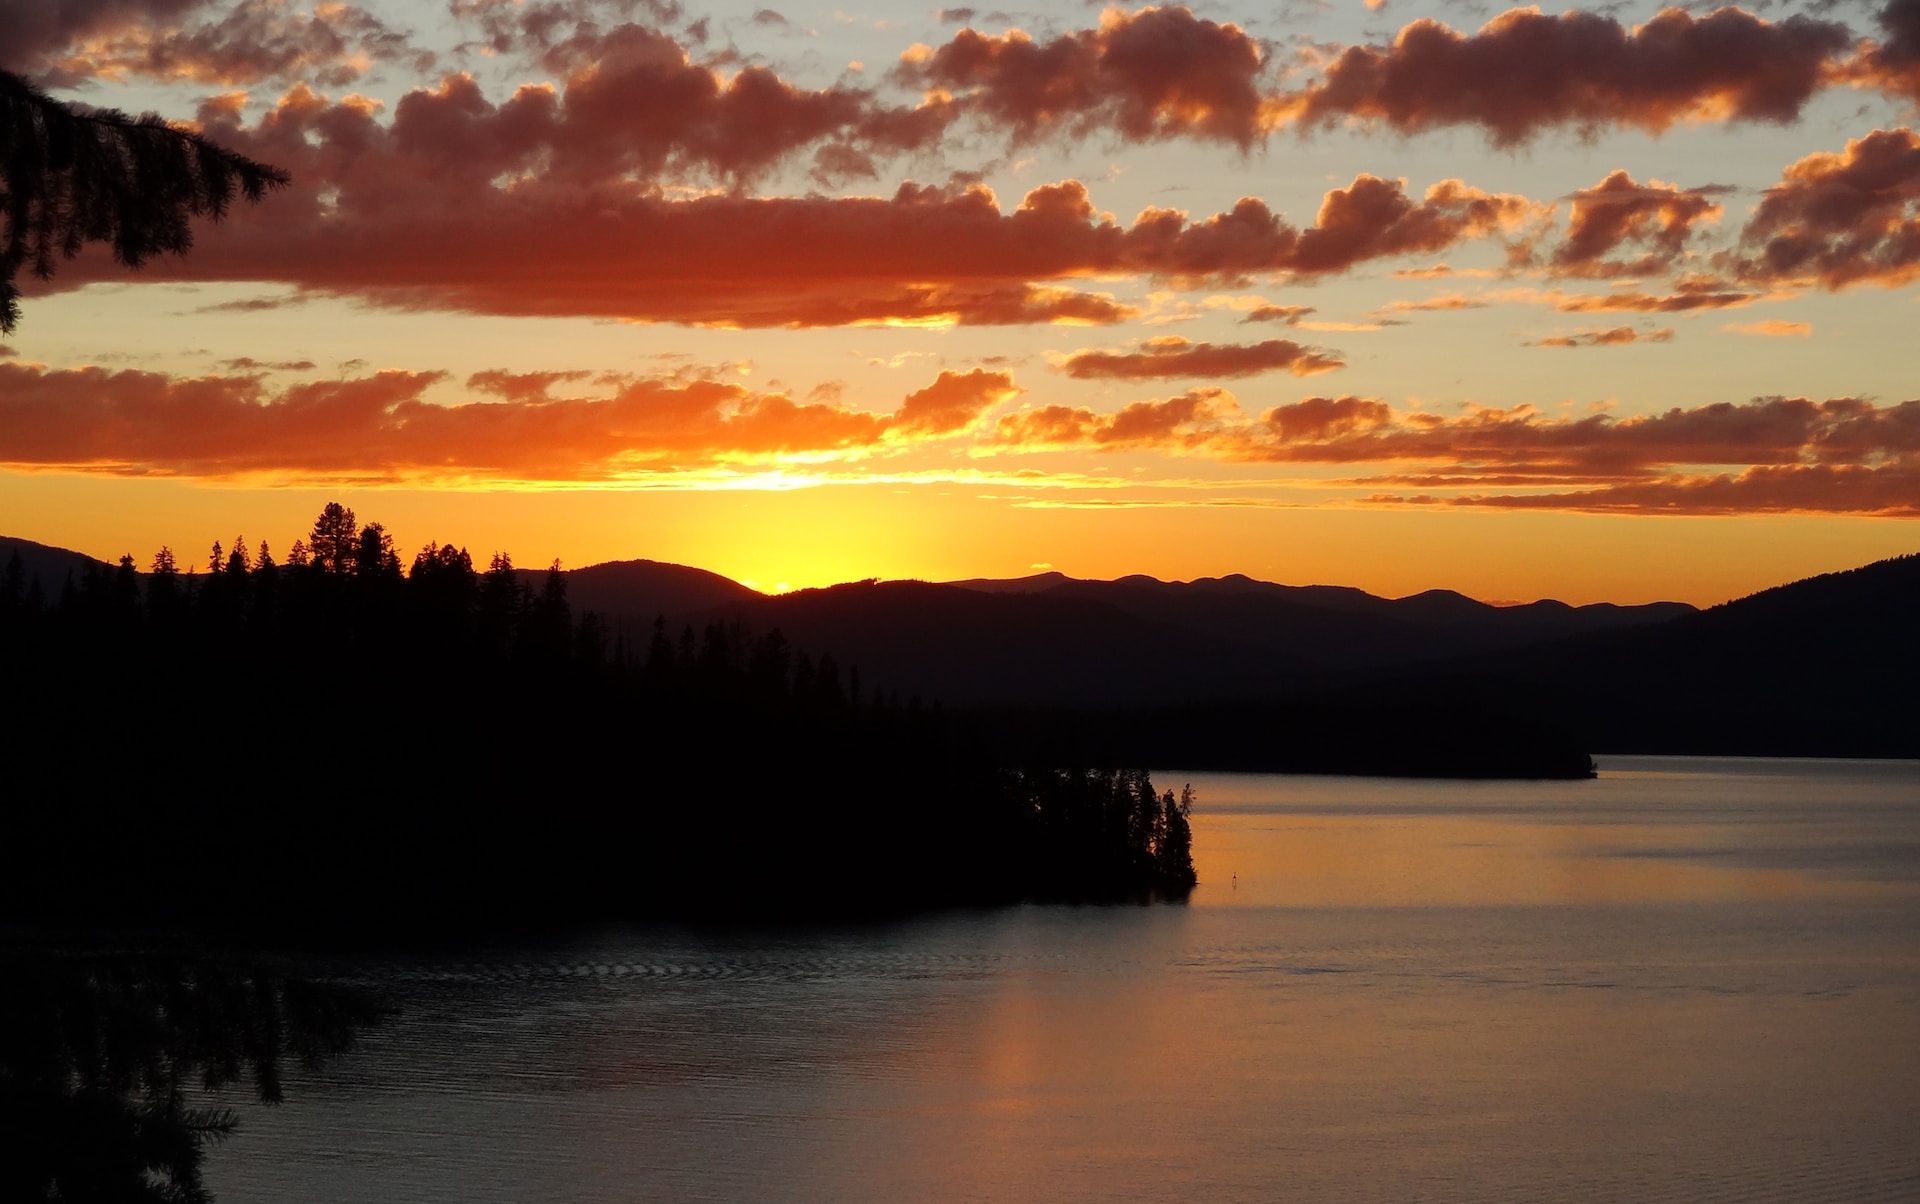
(69, 178)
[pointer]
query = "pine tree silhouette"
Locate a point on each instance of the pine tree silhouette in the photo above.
(335, 541)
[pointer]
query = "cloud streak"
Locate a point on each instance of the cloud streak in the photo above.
(1617, 336)
(1842, 455)
(572, 428)
(1891, 491)
(1772, 328)
(1175, 357)
(385, 427)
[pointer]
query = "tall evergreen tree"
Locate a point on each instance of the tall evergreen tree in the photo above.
(1175, 852)
(374, 556)
(335, 540)
(502, 602)
(163, 585)
(126, 589)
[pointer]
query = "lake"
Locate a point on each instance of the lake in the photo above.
(1687, 979)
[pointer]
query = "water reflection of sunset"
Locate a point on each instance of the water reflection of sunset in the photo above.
(1311, 842)
(1327, 861)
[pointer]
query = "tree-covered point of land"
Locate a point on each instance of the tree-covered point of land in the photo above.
(70, 176)
(339, 734)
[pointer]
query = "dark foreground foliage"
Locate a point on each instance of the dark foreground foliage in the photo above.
(105, 1062)
(69, 177)
(340, 742)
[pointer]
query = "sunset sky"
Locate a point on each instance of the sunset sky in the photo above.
(1613, 304)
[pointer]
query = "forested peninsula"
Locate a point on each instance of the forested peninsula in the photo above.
(342, 738)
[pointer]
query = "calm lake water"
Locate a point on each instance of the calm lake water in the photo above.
(1687, 979)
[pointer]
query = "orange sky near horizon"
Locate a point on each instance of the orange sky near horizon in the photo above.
(818, 537)
(1327, 295)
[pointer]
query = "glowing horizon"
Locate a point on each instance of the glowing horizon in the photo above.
(946, 295)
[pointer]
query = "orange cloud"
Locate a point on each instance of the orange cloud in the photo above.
(1320, 418)
(1286, 315)
(1688, 295)
(1889, 491)
(1442, 304)
(395, 213)
(385, 428)
(954, 402)
(521, 386)
(556, 34)
(1158, 359)
(1374, 218)
(1151, 74)
(35, 32)
(1774, 430)
(1519, 446)
(1893, 64)
(1618, 212)
(258, 40)
(1770, 328)
(1190, 419)
(1525, 71)
(739, 126)
(1841, 219)
(1162, 72)
(1843, 455)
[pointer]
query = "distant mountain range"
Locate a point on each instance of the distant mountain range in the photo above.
(1227, 669)
(1053, 640)
(1338, 627)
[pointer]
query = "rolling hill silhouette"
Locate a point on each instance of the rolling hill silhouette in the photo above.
(633, 593)
(1825, 666)
(49, 566)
